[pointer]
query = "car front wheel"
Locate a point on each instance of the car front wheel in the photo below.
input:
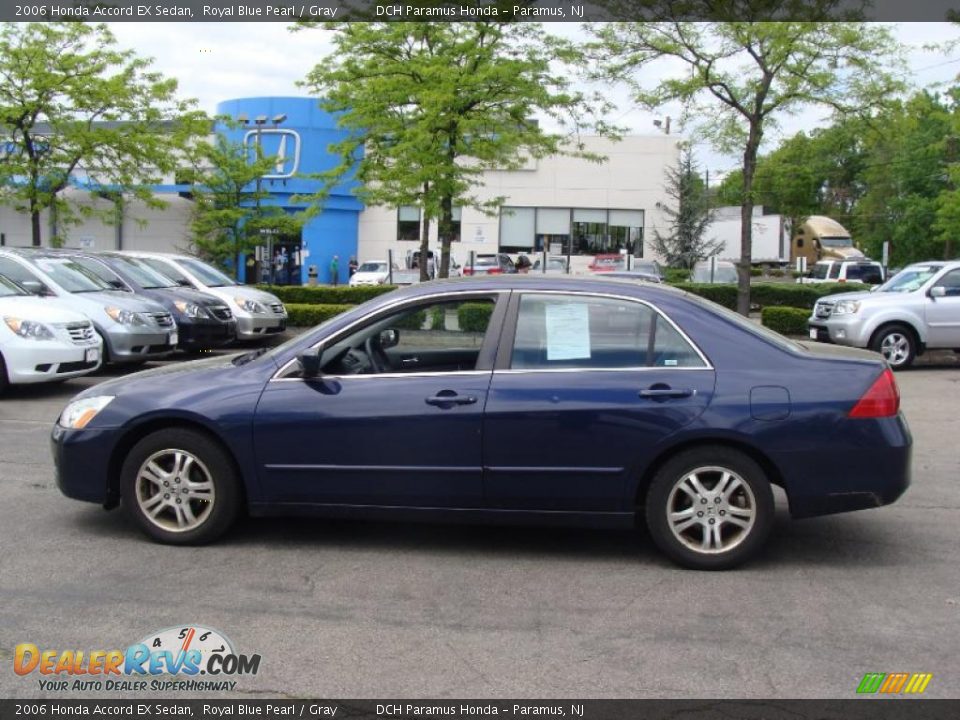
(896, 344)
(180, 487)
(710, 508)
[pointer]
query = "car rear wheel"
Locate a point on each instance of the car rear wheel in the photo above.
(4, 379)
(180, 487)
(710, 508)
(897, 345)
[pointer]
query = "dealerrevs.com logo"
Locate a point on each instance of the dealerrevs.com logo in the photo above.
(169, 660)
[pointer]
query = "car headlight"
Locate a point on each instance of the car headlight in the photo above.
(29, 328)
(190, 309)
(124, 317)
(77, 414)
(250, 306)
(846, 307)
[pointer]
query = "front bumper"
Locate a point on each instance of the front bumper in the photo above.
(194, 334)
(256, 326)
(136, 345)
(847, 330)
(37, 361)
(81, 459)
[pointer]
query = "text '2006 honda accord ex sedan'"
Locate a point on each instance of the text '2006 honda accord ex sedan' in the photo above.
(507, 399)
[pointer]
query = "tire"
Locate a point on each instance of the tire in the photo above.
(897, 344)
(4, 379)
(191, 507)
(742, 516)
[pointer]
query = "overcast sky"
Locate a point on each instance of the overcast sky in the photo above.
(220, 61)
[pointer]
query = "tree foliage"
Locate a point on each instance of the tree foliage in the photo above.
(739, 77)
(689, 217)
(77, 110)
(430, 107)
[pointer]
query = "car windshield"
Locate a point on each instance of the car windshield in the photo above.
(646, 267)
(836, 242)
(486, 261)
(373, 267)
(721, 274)
(165, 269)
(207, 274)
(608, 261)
(71, 276)
(8, 288)
(142, 274)
(910, 279)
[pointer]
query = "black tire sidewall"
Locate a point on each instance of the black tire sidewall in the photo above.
(227, 501)
(659, 492)
(4, 378)
(902, 330)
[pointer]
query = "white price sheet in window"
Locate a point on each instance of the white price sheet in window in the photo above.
(568, 331)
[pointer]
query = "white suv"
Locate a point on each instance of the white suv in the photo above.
(918, 309)
(868, 272)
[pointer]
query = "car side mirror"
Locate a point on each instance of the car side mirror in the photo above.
(389, 338)
(311, 362)
(938, 292)
(35, 287)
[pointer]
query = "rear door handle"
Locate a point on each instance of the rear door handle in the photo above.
(664, 392)
(449, 398)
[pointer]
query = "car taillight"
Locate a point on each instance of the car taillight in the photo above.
(882, 399)
(468, 271)
(494, 271)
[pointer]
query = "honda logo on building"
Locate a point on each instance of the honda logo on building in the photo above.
(281, 145)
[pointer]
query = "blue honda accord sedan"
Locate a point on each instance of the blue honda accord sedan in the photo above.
(511, 399)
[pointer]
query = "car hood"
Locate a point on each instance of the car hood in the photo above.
(244, 291)
(874, 298)
(39, 309)
(175, 293)
(374, 275)
(122, 300)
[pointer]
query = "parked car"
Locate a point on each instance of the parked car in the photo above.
(723, 272)
(372, 272)
(203, 321)
(258, 313)
(916, 310)
(134, 329)
(556, 399)
(647, 267)
(43, 341)
(556, 265)
(860, 270)
(607, 263)
(490, 264)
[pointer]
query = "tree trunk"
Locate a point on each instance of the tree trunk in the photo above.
(35, 223)
(446, 231)
(746, 220)
(424, 249)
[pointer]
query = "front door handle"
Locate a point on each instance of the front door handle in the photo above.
(665, 392)
(449, 398)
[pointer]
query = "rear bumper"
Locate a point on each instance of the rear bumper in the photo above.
(823, 481)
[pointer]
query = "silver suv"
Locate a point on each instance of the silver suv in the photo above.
(918, 309)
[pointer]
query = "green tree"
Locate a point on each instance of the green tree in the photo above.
(686, 243)
(740, 76)
(429, 107)
(229, 210)
(76, 109)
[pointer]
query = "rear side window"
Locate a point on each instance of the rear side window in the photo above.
(834, 272)
(569, 331)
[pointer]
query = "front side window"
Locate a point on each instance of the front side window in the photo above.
(568, 331)
(951, 283)
(440, 336)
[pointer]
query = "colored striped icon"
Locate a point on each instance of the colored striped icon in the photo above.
(894, 683)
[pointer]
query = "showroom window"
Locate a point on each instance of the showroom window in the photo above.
(591, 231)
(569, 331)
(408, 222)
(517, 227)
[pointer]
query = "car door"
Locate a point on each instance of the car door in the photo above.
(394, 419)
(943, 313)
(585, 389)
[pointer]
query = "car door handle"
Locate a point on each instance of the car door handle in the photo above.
(664, 392)
(410, 361)
(448, 398)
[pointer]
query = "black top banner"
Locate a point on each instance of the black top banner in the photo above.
(474, 10)
(446, 709)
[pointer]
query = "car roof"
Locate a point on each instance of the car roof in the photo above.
(543, 282)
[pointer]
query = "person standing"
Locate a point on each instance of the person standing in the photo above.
(352, 265)
(335, 270)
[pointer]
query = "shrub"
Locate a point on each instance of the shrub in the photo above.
(411, 321)
(474, 317)
(326, 295)
(756, 272)
(771, 294)
(785, 320)
(308, 315)
(776, 272)
(676, 275)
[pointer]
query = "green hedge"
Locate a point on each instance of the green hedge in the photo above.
(785, 320)
(676, 275)
(474, 317)
(771, 294)
(310, 314)
(326, 294)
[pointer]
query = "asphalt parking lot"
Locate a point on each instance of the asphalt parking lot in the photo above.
(361, 609)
